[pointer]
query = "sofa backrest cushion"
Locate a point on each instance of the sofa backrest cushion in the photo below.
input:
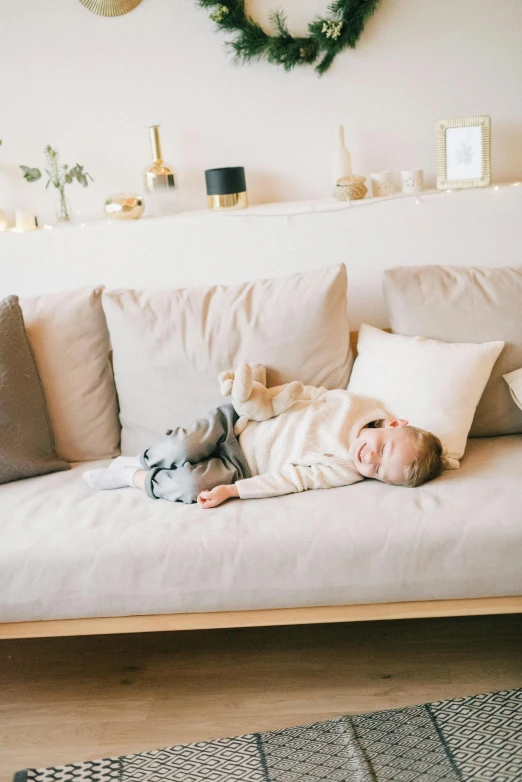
(465, 304)
(26, 441)
(170, 345)
(70, 341)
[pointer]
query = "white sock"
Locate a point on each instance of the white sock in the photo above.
(110, 477)
(126, 461)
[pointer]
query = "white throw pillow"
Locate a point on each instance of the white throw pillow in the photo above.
(435, 385)
(170, 345)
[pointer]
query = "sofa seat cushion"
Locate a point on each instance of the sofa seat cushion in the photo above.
(66, 551)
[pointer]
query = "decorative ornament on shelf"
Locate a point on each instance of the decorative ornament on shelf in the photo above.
(226, 188)
(60, 176)
(341, 160)
(124, 206)
(160, 179)
(382, 183)
(412, 181)
(327, 36)
(110, 7)
(350, 188)
(25, 221)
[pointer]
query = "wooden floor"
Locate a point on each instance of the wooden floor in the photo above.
(72, 699)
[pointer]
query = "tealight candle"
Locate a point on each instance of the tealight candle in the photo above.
(24, 220)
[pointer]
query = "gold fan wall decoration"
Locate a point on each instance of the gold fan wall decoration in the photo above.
(110, 7)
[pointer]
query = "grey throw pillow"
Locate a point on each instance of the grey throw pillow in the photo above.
(26, 441)
(465, 304)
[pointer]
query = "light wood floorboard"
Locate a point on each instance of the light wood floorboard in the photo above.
(79, 698)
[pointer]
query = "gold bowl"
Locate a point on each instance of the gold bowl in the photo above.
(124, 206)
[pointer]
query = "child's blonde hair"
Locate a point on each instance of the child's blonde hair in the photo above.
(430, 460)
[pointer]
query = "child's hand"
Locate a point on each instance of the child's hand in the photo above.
(214, 497)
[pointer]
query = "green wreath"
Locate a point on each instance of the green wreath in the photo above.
(327, 36)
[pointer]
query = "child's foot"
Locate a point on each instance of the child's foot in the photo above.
(110, 477)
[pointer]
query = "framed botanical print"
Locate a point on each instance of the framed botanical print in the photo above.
(464, 152)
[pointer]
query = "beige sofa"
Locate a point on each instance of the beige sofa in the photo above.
(74, 561)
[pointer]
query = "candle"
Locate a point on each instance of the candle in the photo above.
(25, 221)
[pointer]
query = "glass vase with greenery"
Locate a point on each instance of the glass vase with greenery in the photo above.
(59, 176)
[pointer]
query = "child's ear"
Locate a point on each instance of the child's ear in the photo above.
(396, 422)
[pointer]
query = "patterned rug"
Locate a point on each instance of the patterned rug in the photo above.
(477, 738)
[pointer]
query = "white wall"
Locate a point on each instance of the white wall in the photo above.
(479, 227)
(90, 86)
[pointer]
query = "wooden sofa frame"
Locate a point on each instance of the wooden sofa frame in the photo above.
(263, 617)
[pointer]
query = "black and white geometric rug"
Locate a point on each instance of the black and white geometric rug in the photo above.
(476, 739)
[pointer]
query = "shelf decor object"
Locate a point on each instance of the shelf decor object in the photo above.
(226, 188)
(59, 176)
(327, 36)
(110, 7)
(463, 152)
(341, 159)
(124, 206)
(161, 180)
(350, 188)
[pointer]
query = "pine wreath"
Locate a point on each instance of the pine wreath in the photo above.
(327, 36)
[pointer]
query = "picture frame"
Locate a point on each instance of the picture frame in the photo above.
(464, 152)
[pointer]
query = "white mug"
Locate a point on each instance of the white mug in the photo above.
(382, 183)
(412, 181)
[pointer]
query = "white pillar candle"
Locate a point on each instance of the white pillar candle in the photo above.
(382, 183)
(412, 181)
(25, 221)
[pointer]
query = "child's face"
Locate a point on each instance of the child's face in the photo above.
(384, 453)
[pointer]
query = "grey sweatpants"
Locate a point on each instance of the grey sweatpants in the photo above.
(187, 461)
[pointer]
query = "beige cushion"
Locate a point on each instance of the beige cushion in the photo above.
(435, 385)
(170, 345)
(26, 441)
(514, 381)
(462, 304)
(68, 334)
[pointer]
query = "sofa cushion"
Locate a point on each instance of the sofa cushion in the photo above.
(26, 442)
(170, 345)
(435, 385)
(514, 381)
(70, 341)
(117, 553)
(465, 304)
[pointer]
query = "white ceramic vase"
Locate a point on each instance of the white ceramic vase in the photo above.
(341, 159)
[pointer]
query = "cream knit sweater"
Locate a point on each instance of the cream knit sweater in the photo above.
(308, 446)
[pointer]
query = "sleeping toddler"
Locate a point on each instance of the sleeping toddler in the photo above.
(330, 438)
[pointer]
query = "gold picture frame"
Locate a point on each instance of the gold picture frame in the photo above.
(463, 152)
